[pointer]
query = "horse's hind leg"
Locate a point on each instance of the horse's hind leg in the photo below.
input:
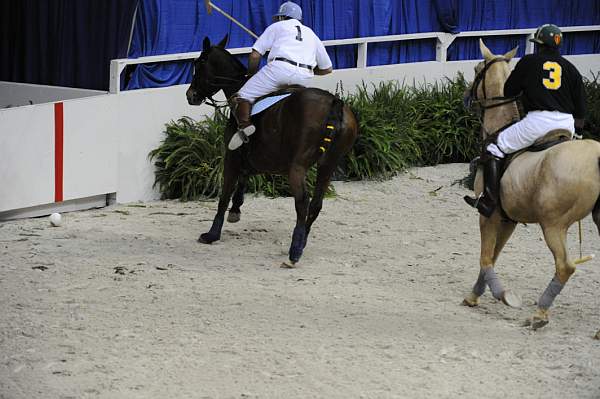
(297, 180)
(556, 239)
(230, 175)
(505, 230)
(494, 235)
(596, 215)
(324, 173)
(238, 200)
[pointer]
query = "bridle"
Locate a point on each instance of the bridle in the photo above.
(217, 82)
(480, 79)
(228, 82)
(486, 103)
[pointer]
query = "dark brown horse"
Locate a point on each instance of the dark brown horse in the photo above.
(288, 141)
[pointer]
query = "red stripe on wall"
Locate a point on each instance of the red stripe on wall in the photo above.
(58, 151)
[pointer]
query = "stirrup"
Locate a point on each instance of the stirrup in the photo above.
(240, 137)
(474, 202)
(243, 136)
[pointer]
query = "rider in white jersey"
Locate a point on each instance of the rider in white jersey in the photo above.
(296, 54)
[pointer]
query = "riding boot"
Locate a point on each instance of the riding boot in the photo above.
(487, 202)
(245, 126)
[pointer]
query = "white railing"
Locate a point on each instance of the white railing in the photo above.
(444, 40)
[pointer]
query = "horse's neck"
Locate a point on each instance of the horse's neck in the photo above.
(230, 91)
(498, 117)
(236, 70)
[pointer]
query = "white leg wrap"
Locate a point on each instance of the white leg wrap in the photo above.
(492, 280)
(480, 285)
(551, 292)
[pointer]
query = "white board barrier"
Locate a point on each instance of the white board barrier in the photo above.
(107, 138)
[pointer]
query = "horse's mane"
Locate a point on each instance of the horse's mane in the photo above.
(237, 62)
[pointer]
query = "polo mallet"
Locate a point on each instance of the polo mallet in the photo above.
(209, 7)
(582, 259)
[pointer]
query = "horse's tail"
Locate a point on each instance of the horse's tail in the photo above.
(596, 210)
(333, 123)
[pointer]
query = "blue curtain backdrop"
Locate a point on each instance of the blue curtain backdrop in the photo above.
(63, 42)
(175, 26)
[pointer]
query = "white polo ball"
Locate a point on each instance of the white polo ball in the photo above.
(55, 219)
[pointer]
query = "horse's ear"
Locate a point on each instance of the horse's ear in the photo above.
(487, 54)
(223, 42)
(206, 44)
(511, 53)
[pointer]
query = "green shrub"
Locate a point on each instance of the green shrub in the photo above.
(402, 126)
(592, 117)
(189, 161)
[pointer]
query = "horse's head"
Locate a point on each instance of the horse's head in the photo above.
(491, 73)
(214, 70)
(487, 90)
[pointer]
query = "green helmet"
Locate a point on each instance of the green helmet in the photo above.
(548, 35)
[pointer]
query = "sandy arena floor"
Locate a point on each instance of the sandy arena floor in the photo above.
(122, 302)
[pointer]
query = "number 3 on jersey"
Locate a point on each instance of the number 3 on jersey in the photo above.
(555, 75)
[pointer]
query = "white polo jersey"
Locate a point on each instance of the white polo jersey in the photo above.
(292, 40)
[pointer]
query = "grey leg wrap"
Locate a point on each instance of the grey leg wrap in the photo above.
(492, 280)
(551, 292)
(480, 286)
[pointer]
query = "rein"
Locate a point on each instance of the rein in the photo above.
(488, 103)
(480, 79)
(228, 82)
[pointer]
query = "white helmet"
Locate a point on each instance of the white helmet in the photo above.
(289, 9)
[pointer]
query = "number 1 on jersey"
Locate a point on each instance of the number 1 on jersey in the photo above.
(299, 35)
(555, 75)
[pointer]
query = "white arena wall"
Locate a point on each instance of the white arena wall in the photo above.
(106, 139)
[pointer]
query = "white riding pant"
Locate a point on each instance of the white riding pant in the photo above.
(271, 77)
(524, 133)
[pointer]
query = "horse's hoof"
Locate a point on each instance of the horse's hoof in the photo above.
(294, 258)
(233, 217)
(538, 323)
(207, 238)
(511, 299)
(597, 336)
(471, 300)
(539, 320)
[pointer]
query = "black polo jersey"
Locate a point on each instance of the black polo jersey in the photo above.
(549, 83)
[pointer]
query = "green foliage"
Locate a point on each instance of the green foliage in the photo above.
(402, 126)
(592, 117)
(189, 161)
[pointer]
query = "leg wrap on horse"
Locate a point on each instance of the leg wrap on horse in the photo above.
(480, 285)
(298, 243)
(551, 292)
(492, 281)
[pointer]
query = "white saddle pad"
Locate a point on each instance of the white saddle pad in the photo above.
(265, 103)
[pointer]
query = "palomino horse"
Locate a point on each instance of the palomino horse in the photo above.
(555, 188)
(310, 126)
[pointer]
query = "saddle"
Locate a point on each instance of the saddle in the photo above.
(552, 138)
(267, 101)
